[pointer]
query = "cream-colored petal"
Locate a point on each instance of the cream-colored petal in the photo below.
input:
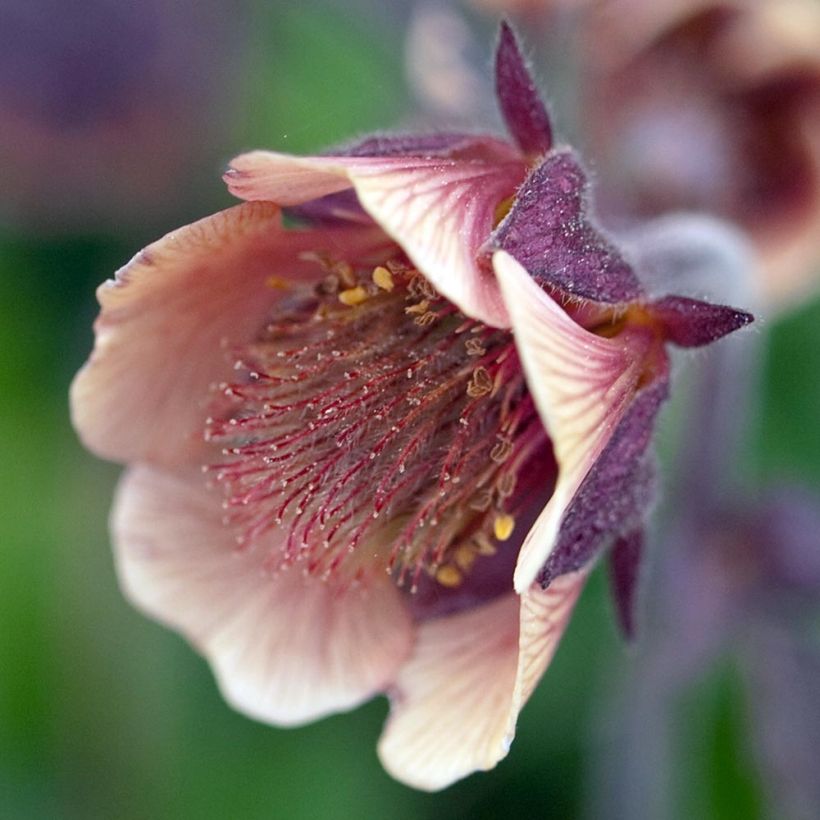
(285, 649)
(171, 315)
(456, 702)
(440, 210)
(582, 385)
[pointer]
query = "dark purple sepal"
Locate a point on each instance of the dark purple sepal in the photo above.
(617, 492)
(692, 323)
(548, 230)
(624, 575)
(521, 105)
(437, 144)
(333, 209)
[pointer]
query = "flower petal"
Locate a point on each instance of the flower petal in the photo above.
(285, 649)
(457, 699)
(582, 385)
(165, 319)
(549, 231)
(521, 105)
(440, 210)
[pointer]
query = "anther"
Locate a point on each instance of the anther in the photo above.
(503, 526)
(419, 307)
(480, 383)
(353, 296)
(426, 319)
(382, 278)
(448, 576)
(474, 347)
(501, 450)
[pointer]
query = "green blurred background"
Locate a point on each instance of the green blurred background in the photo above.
(105, 714)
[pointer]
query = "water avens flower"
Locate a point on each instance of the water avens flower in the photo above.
(380, 450)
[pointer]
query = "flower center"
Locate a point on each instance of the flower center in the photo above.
(372, 421)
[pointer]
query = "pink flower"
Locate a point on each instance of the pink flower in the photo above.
(379, 452)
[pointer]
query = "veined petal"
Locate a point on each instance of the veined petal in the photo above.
(441, 210)
(582, 385)
(457, 699)
(285, 649)
(164, 318)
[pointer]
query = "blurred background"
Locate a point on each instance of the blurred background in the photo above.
(116, 120)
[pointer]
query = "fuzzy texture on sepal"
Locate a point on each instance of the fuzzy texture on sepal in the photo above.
(549, 231)
(693, 323)
(616, 493)
(521, 105)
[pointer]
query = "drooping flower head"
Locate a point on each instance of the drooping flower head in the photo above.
(380, 451)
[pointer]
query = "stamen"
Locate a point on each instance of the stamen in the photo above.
(382, 278)
(353, 296)
(503, 526)
(364, 423)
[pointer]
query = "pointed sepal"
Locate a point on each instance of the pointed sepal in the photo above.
(617, 490)
(521, 105)
(693, 323)
(624, 576)
(549, 231)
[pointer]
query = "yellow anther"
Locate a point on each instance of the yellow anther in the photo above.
(501, 450)
(480, 383)
(448, 576)
(419, 308)
(465, 556)
(426, 319)
(382, 278)
(484, 545)
(503, 526)
(353, 296)
(474, 347)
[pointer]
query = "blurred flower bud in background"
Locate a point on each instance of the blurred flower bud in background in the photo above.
(711, 106)
(110, 111)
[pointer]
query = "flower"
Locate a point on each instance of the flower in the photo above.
(716, 106)
(424, 412)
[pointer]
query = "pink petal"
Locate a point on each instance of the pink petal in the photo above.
(440, 210)
(582, 385)
(166, 319)
(285, 649)
(456, 702)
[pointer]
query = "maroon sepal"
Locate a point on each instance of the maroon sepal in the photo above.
(624, 576)
(549, 231)
(521, 105)
(692, 323)
(617, 492)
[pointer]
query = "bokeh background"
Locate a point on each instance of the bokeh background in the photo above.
(116, 119)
